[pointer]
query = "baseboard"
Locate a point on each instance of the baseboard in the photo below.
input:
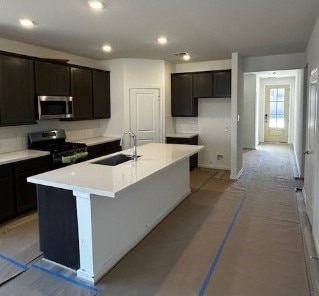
(249, 147)
(214, 167)
(316, 242)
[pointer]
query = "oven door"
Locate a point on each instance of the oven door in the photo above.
(50, 107)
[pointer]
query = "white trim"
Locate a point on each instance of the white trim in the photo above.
(213, 167)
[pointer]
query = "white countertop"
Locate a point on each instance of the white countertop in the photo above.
(181, 135)
(21, 155)
(97, 140)
(108, 180)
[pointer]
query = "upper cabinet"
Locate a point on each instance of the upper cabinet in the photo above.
(222, 84)
(188, 87)
(183, 103)
(16, 90)
(52, 79)
(203, 85)
(101, 94)
(81, 90)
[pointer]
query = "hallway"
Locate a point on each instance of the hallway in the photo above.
(226, 239)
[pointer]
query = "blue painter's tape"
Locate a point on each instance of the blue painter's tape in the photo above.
(224, 241)
(220, 250)
(67, 279)
(16, 263)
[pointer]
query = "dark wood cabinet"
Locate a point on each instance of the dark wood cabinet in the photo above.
(183, 102)
(52, 79)
(101, 94)
(102, 149)
(203, 85)
(16, 91)
(81, 90)
(7, 196)
(26, 195)
(222, 84)
(193, 160)
(186, 88)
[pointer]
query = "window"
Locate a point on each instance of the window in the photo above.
(277, 108)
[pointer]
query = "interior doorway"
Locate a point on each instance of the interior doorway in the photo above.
(276, 117)
(145, 114)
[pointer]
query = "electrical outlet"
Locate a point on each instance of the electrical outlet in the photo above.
(220, 157)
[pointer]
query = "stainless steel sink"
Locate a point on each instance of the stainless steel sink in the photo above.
(114, 160)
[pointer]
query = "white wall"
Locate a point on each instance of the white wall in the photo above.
(15, 138)
(214, 132)
(312, 58)
(125, 75)
(275, 62)
(249, 112)
(237, 102)
(213, 118)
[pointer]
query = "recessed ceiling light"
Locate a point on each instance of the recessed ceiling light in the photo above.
(162, 40)
(186, 56)
(95, 4)
(107, 48)
(26, 23)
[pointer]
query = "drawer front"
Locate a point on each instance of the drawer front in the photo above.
(112, 145)
(30, 164)
(171, 140)
(5, 170)
(96, 151)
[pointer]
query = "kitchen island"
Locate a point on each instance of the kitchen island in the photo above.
(114, 206)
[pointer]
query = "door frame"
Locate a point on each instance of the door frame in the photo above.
(261, 105)
(160, 88)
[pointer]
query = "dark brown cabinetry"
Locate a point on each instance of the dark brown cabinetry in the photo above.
(222, 84)
(104, 149)
(183, 102)
(188, 87)
(52, 79)
(203, 85)
(16, 90)
(193, 160)
(17, 195)
(26, 195)
(81, 90)
(7, 197)
(101, 94)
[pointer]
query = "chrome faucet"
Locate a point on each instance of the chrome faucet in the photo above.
(134, 155)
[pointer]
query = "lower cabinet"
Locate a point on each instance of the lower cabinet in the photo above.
(7, 196)
(104, 149)
(17, 195)
(193, 160)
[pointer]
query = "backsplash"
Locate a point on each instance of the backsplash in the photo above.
(186, 125)
(14, 138)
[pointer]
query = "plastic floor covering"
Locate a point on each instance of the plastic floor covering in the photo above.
(226, 239)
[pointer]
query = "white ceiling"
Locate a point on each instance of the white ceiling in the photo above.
(207, 29)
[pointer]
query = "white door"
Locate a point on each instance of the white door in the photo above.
(145, 115)
(276, 113)
(310, 152)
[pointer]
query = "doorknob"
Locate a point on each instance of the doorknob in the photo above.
(306, 151)
(266, 117)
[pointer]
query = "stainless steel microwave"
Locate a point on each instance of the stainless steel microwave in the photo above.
(55, 107)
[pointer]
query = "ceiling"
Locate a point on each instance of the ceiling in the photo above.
(207, 29)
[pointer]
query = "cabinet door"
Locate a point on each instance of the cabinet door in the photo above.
(7, 200)
(203, 85)
(101, 94)
(17, 91)
(81, 88)
(183, 103)
(222, 84)
(52, 79)
(26, 192)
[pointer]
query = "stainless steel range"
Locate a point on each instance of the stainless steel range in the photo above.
(62, 153)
